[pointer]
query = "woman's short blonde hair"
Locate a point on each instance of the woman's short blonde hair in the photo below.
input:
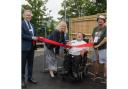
(60, 24)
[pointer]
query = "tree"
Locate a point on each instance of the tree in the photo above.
(38, 9)
(75, 8)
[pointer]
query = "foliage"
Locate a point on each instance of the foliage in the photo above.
(75, 8)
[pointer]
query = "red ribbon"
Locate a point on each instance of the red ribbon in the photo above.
(84, 45)
(42, 39)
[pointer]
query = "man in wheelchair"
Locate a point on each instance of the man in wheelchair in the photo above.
(75, 59)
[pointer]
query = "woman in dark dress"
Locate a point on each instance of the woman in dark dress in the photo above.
(53, 50)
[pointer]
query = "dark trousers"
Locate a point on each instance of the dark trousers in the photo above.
(73, 63)
(27, 59)
(76, 61)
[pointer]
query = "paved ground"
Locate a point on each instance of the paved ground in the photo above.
(45, 82)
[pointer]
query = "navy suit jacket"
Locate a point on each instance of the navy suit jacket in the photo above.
(26, 37)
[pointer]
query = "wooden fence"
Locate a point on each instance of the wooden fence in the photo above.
(83, 24)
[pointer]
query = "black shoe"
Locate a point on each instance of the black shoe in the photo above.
(23, 84)
(32, 81)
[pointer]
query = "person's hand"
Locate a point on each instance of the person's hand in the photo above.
(34, 38)
(96, 46)
(68, 43)
(91, 40)
(82, 53)
(42, 37)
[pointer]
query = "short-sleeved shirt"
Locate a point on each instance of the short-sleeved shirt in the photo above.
(98, 35)
(75, 50)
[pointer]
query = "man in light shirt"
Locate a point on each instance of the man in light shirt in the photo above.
(76, 55)
(78, 50)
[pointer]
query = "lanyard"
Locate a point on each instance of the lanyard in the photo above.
(30, 27)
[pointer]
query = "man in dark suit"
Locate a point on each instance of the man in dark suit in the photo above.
(28, 45)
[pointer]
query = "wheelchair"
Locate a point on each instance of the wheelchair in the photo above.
(74, 67)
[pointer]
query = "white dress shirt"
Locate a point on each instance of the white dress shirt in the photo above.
(76, 50)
